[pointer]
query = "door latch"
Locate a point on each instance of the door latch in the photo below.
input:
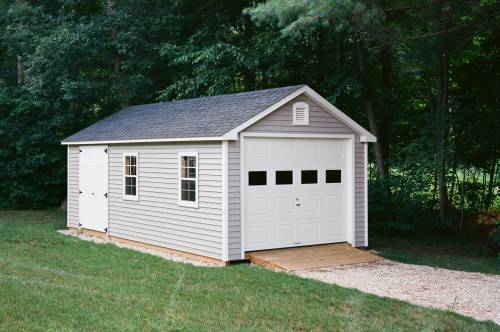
(297, 202)
(106, 195)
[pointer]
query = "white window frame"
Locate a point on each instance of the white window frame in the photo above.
(136, 196)
(180, 178)
(301, 105)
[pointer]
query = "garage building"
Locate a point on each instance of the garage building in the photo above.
(220, 176)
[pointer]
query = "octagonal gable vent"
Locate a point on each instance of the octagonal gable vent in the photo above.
(301, 114)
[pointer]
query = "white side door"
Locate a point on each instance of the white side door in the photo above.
(93, 184)
(297, 203)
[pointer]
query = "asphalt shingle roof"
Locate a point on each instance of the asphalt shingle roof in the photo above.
(198, 117)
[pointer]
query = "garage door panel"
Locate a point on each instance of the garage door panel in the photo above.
(257, 236)
(310, 150)
(333, 203)
(284, 152)
(257, 151)
(284, 205)
(258, 207)
(309, 205)
(295, 213)
(310, 232)
(284, 234)
(333, 230)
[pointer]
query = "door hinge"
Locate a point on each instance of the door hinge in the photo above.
(106, 195)
(106, 150)
(79, 191)
(79, 225)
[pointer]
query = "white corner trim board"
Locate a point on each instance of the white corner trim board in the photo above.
(365, 165)
(225, 198)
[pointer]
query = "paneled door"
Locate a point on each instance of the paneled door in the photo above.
(93, 185)
(295, 191)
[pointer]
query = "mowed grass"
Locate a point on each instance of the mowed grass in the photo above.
(50, 281)
(454, 253)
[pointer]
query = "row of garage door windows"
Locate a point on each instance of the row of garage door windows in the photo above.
(259, 178)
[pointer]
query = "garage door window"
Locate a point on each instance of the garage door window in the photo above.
(130, 183)
(257, 178)
(188, 179)
(309, 177)
(284, 177)
(333, 176)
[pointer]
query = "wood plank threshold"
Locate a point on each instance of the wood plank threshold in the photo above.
(310, 257)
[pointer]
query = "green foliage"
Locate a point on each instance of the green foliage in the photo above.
(80, 61)
(439, 249)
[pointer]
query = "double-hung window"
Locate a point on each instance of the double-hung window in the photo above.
(130, 180)
(188, 179)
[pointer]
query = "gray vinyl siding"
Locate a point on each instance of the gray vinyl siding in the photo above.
(234, 202)
(156, 218)
(73, 190)
(280, 121)
(359, 192)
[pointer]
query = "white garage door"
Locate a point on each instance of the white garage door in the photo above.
(295, 191)
(93, 184)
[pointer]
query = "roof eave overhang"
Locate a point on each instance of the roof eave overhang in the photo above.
(365, 135)
(148, 140)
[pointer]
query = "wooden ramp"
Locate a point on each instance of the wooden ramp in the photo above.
(299, 258)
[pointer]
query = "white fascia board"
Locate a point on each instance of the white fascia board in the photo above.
(365, 135)
(233, 134)
(149, 140)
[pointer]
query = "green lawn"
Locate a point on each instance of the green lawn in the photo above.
(53, 282)
(439, 251)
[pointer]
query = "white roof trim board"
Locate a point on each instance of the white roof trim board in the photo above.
(147, 140)
(365, 135)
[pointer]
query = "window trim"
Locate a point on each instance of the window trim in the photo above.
(301, 105)
(136, 196)
(182, 202)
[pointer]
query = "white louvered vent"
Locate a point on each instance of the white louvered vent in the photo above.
(300, 114)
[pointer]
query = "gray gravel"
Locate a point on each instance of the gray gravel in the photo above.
(171, 257)
(471, 294)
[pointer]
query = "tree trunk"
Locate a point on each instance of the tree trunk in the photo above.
(370, 112)
(434, 187)
(117, 60)
(20, 70)
(441, 132)
(462, 201)
(453, 181)
(489, 196)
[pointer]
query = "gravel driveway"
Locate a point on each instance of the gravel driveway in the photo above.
(471, 294)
